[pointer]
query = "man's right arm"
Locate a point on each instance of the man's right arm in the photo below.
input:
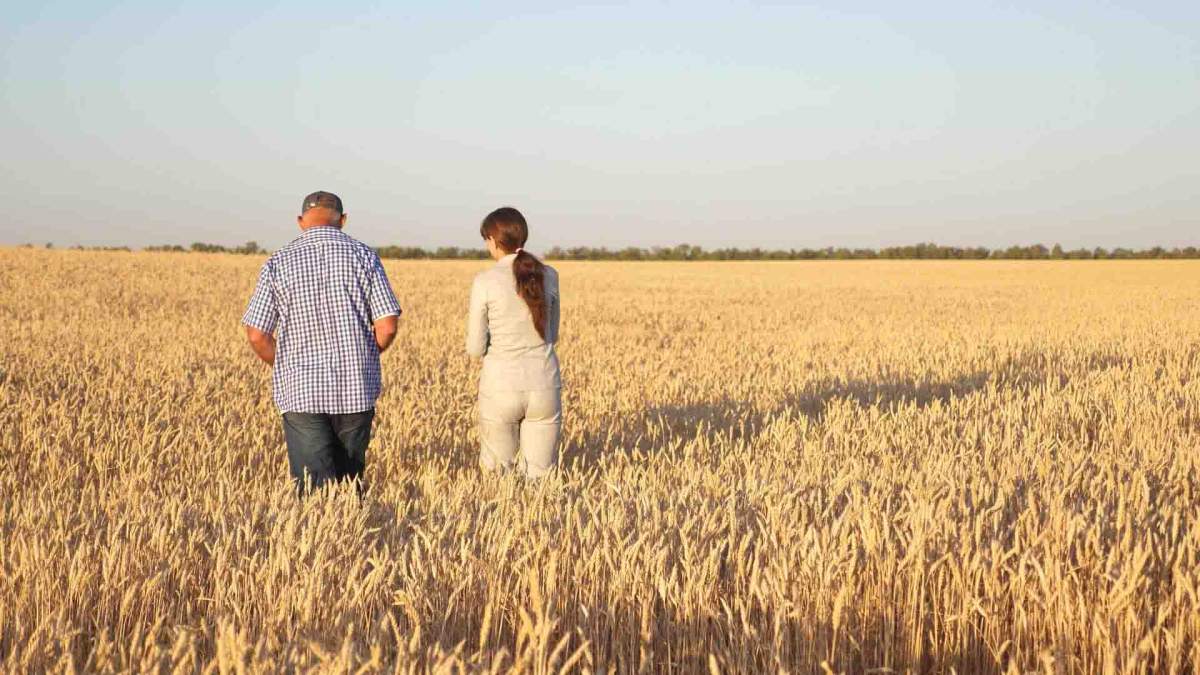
(385, 331)
(385, 309)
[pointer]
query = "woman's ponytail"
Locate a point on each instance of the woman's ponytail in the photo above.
(530, 274)
(507, 227)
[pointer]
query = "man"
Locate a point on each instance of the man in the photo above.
(321, 314)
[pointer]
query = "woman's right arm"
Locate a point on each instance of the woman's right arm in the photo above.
(554, 310)
(477, 321)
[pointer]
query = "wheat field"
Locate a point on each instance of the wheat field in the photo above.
(801, 467)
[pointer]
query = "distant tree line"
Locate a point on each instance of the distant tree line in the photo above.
(688, 252)
(441, 253)
(98, 248)
(249, 248)
(912, 252)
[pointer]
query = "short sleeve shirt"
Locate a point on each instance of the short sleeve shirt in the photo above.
(320, 295)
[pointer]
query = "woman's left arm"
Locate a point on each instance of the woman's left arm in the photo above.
(477, 321)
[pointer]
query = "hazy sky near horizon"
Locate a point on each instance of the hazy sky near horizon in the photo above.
(718, 124)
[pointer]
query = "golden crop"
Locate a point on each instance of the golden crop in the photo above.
(914, 466)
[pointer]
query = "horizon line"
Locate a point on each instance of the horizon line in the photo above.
(689, 252)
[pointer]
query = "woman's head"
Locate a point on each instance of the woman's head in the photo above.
(507, 231)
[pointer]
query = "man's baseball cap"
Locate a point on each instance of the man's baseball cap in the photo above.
(324, 199)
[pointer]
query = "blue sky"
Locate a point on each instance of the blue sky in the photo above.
(719, 124)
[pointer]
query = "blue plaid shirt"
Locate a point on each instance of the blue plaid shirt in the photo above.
(321, 295)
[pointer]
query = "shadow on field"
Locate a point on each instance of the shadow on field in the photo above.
(801, 643)
(635, 634)
(666, 425)
(727, 419)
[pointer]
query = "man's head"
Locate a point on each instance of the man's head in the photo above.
(321, 209)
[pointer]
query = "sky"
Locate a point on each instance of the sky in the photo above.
(645, 124)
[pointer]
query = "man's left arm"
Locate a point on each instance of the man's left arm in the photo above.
(262, 343)
(261, 317)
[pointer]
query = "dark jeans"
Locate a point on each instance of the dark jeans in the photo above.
(323, 448)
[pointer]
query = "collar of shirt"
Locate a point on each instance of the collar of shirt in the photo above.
(320, 229)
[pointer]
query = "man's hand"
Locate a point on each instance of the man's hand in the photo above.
(385, 332)
(262, 343)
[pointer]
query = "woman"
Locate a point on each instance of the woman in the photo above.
(513, 325)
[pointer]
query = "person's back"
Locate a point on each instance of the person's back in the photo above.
(324, 284)
(512, 324)
(326, 299)
(515, 356)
